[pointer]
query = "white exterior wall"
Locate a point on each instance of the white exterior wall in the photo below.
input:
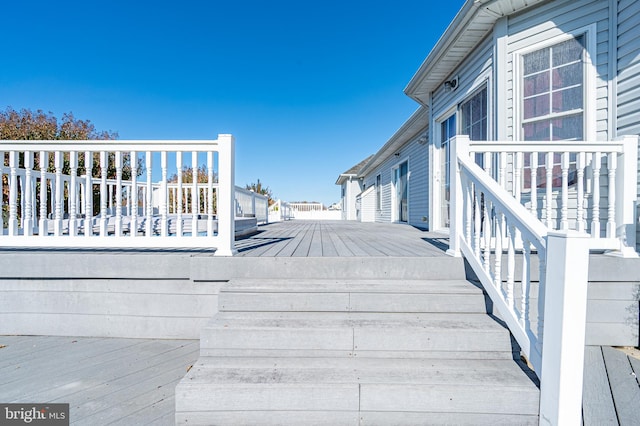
(350, 188)
(416, 155)
(627, 114)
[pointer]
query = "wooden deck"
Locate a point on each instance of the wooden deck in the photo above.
(105, 381)
(341, 239)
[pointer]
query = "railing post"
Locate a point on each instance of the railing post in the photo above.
(459, 146)
(226, 196)
(565, 312)
(626, 196)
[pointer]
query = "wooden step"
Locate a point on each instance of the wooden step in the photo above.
(350, 334)
(272, 295)
(373, 388)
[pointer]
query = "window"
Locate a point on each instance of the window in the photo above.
(378, 193)
(553, 92)
(553, 101)
(473, 119)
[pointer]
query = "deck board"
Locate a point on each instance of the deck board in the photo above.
(624, 386)
(104, 380)
(338, 239)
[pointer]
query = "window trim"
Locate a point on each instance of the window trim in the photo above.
(379, 192)
(589, 87)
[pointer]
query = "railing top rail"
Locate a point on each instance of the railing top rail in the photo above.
(546, 146)
(108, 145)
(535, 228)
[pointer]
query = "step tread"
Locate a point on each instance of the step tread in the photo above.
(322, 320)
(401, 286)
(329, 370)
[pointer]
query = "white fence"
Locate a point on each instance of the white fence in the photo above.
(491, 222)
(280, 211)
(313, 211)
(103, 194)
(251, 204)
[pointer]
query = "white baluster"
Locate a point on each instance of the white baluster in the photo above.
(502, 171)
(88, 194)
(541, 294)
(73, 193)
(133, 230)
(195, 196)
(164, 194)
(149, 196)
(580, 165)
(596, 164)
(612, 165)
(43, 224)
(104, 164)
(534, 184)
(179, 224)
(27, 213)
(486, 227)
(13, 193)
(118, 228)
(497, 276)
(467, 197)
(517, 173)
(564, 211)
(511, 264)
(477, 224)
(59, 198)
(526, 282)
(210, 210)
(549, 189)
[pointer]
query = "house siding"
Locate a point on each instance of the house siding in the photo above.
(418, 180)
(554, 19)
(628, 76)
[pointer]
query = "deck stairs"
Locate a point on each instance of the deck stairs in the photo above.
(413, 345)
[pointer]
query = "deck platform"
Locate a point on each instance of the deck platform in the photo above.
(104, 381)
(341, 239)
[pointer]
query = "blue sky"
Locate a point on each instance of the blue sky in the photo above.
(307, 88)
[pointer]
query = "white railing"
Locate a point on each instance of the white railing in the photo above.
(307, 207)
(500, 235)
(584, 186)
(280, 211)
(114, 194)
(251, 204)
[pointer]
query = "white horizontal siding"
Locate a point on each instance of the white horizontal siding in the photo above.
(554, 19)
(418, 180)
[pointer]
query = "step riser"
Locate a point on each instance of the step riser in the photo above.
(350, 302)
(350, 418)
(422, 268)
(351, 397)
(349, 340)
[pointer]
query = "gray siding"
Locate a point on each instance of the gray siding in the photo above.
(417, 156)
(628, 83)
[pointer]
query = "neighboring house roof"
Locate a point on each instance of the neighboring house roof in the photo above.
(408, 131)
(353, 171)
(473, 22)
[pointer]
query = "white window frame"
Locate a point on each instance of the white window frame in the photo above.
(395, 217)
(453, 107)
(589, 88)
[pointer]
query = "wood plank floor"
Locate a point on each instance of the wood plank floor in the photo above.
(105, 381)
(611, 390)
(341, 239)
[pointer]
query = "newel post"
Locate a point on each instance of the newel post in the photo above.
(565, 313)
(626, 196)
(226, 196)
(458, 147)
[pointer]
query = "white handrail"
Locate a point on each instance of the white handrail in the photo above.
(55, 213)
(486, 217)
